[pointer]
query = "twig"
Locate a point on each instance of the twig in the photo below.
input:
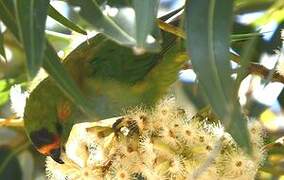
(262, 71)
(171, 29)
(256, 69)
(11, 122)
(277, 143)
(253, 68)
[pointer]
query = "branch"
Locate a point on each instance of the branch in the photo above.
(262, 71)
(253, 68)
(11, 122)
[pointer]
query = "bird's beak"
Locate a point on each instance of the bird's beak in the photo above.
(55, 155)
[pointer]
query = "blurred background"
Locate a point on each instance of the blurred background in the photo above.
(261, 98)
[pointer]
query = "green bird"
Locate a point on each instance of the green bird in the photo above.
(111, 77)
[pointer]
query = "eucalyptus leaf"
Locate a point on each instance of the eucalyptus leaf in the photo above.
(57, 71)
(91, 12)
(208, 34)
(280, 99)
(10, 5)
(2, 50)
(145, 14)
(245, 6)
(59, 40)
(4, 92)
(8, 19)
(4, 97)
(119, 23)
(31, 16)
(171, 14)
(194, 95)
(246, 56)
(247, 36)
(53, 13)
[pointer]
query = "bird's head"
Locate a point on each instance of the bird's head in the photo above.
(47, 119)
(47, 143)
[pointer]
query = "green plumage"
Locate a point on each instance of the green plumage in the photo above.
(111, 77)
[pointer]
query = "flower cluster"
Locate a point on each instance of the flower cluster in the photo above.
(162, 143)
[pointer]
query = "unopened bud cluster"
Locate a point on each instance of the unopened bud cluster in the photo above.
(162, 143)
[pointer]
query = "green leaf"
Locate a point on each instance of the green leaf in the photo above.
(208, 34)
(280, 99)
(57, 71)
(4, 97)
(192, 92)
(273, 14)
(171, 14)
(118, 23)
(53, 13)
(31, 16)
(2, 50)
(245, 6)
(245, 59)
(4, 91)
(241, 37)
(145, 14)
(59, 40)
(91, 12)
(8, 19)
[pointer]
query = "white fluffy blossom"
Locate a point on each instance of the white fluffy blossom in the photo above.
(162, 143)
(18, 100)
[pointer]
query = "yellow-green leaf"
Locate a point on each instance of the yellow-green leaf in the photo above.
(2, 50)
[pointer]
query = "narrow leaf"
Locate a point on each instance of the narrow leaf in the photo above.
(2, 50)
(119, 23)
(31, 17)
(246, 56)
(91, 12)
(53, 13)
(145, 14)
(59, 40)
(208, 34)
(171, 14)
(57, 71)
(8, 19)
(242, 37)
(247, 35)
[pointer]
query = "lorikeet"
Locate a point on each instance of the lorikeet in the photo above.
(111, 76)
